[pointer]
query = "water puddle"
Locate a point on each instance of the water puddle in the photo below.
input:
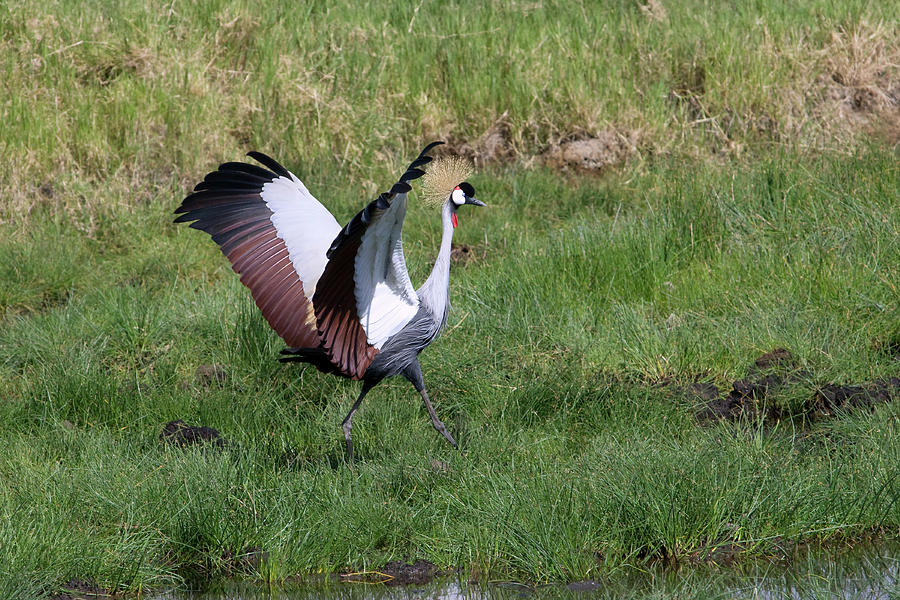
(868, 575)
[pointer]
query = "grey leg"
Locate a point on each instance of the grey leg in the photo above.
(414, 374)
(347, 425)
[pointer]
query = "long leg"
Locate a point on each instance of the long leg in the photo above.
(414, 374)
(347, 425)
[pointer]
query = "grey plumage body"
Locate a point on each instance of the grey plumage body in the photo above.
(400, 354)
(404, 347)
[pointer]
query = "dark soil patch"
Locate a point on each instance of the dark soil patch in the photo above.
(697, 391)
(206, 375)
(179, 433)
(418, 572)
(81, 589)
(463, 254)
(702, 391)
(47, 190)
(751, 397)
(770, 372)
(778, 358)
(831, 398)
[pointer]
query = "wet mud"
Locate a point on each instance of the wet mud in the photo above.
(179, 433)
(417, 572)
(81, 589)
(397, 573)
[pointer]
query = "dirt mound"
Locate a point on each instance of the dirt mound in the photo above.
(579, 152)
(179, 433)
(493, 146)
(608, 148)
(778, 358)
(747, 398)
(859, 84)
(496, 144)
(699, 390)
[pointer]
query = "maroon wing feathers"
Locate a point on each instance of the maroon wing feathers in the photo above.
(229, 206)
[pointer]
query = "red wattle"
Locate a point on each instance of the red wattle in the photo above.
(455, 222)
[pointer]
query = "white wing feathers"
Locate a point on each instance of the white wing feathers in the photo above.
(385, 298)
(306, 227)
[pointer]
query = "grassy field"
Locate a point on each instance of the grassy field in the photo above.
(749, 202)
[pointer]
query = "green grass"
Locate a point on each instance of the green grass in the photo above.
(572, 463)
(719, 239)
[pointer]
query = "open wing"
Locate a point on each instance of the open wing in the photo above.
(357, 314)
(274, 232)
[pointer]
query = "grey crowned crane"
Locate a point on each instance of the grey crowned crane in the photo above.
(341, 298)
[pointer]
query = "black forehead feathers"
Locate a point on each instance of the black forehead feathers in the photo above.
(467, 189)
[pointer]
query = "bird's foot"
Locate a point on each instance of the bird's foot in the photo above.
(439, 425)
(350, 458)
(346, 427)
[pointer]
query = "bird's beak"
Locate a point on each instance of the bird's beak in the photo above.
(474, 201)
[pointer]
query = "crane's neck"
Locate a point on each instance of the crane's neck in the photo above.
(435, 292)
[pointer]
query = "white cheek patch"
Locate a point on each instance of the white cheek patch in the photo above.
(458, 197)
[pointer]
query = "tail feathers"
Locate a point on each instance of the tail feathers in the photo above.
(317, 357)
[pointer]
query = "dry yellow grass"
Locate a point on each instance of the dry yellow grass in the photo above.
(105, 103)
